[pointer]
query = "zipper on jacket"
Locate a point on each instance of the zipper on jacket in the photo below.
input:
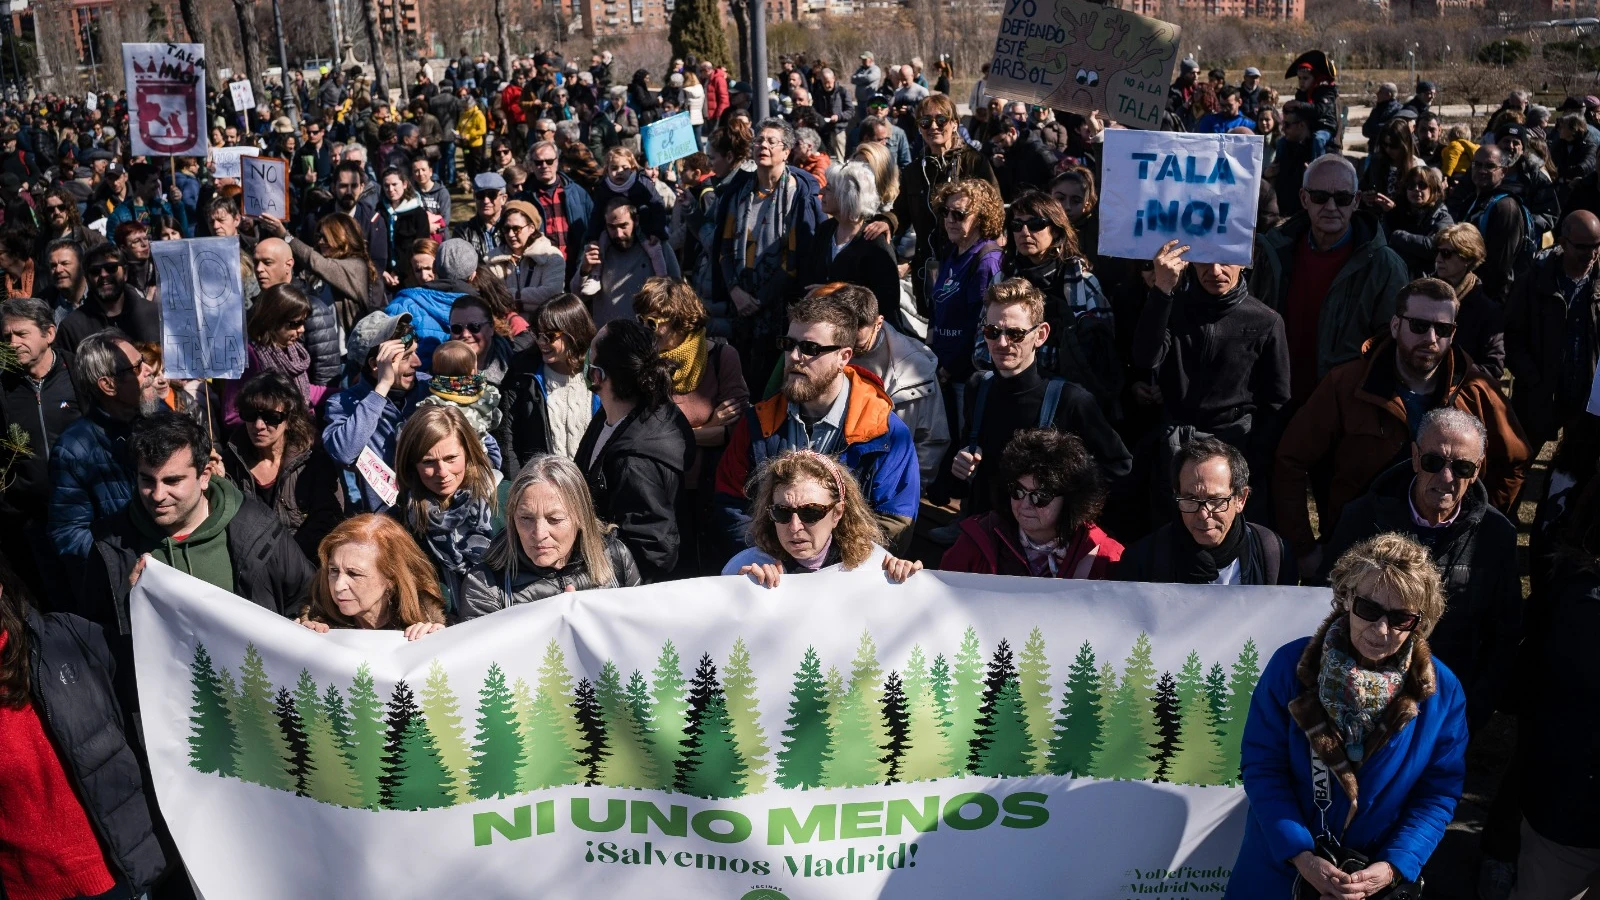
(38, 403)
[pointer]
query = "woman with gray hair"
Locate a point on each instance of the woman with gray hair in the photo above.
(842, 251)
(553, 543)
(1358, 717)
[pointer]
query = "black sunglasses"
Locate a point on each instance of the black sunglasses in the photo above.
(1032, 223)
(808, 349)
(1371, 611)
(1014, 335)
(297, 323)
(956, 215)
(464, 327)
(939, 121)
(1423, 326)
(810, 513)
(1339, 198)
(105, 267)
(1037, 498)
(273, 418)
(1433, 464)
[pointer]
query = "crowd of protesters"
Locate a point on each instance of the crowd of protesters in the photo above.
(855, 310)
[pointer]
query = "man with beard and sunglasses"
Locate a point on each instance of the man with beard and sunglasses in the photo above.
(112, 303)
(1363, 416)
(829, 406)
(1437, 499)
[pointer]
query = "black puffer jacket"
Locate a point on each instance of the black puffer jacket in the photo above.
(1477, 554)
(306, 495)
(636, 481)
(486, 590)
(72, 676)
(42, 412)
(322, 335)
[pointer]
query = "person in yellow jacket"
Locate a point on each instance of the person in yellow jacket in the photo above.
(471, 127)
(1455, 157)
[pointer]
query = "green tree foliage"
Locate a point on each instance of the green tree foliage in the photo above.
(498, 749)
(671, 711)
(212, 743)
(1005, 749)
(716, 769)
(1241, 685)
(338, 717)
(696, 30)
(927, 752)
(638, 693)
(586, 709)
(1002, 671)
(441, 709)
(897, 723)
(367, 737)
(1077, 733)
(744, 716)
(859, 735)
(263, 753)
(422, 780)
(401, 710)
(1191, 680)
(1504, 52)
(1130, 733)
(702, 688)
(1216, 689)
(1199, 758)
(547, 760)
(1168, 720)
(966, 700)
(628, 763)
(294, 737)
(939, 686)
(1033, 681)
(555, 684)
(807, 736)
(328, 776)
(834, 693)
(916, 675)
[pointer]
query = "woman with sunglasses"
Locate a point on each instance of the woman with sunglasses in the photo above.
(1048, 495)
(472, 322)
(808, 515)
(1363, 708)
(271, 455)
(946, 159)
(1481, 324)
(638, 449)
(276, 330)
(547, 401)
(537, 269)
(1418, 215)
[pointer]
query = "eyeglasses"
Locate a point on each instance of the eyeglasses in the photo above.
(120, 371)
(1423, 326)
(956, 215)
(1433, 464)
(55, 207)
(548, 337)
(938, 121)
(808, 349)
(104, 268)
(652, 322)
(1014, 335)
(1193, 504)
(1340, 199)
(771, 142)
(464, 327)
(1035, 498)
(271, 417)
(1032, 223)
(810, 513)
(1371, 611)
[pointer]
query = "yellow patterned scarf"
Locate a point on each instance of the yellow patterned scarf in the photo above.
(690, 359)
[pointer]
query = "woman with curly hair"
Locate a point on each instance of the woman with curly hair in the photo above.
(973, 218)
(808, 514)
(371, 575)
(1048, 495)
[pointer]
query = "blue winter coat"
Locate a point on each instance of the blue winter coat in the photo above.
(430, 315)
(92, 470)
(1407, 788)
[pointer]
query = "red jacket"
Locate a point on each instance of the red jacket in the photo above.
(716, 96)
(511, 100)
(988, 545)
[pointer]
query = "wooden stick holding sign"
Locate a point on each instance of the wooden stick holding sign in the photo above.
(266, 186)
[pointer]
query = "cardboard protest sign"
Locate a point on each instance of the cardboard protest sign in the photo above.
(1081, 56)
(91, 101)
(244, 96)
(266, 186)
(1200, 189)
(225, 161)
(167, 98)
(202, 307)
(669, 139)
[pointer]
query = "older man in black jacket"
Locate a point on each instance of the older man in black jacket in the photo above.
(1437, 500)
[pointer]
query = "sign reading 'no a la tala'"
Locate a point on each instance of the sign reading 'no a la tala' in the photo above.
(1201, 190)
(837, 737)
(166, 98)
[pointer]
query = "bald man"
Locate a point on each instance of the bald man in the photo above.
(1551, 344)
(275, 266)
(274, 263)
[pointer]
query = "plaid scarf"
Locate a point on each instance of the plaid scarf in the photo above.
(553, 206)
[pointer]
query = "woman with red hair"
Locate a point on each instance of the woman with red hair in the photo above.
(372, 575)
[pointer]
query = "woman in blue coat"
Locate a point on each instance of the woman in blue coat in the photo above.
(1386, 720)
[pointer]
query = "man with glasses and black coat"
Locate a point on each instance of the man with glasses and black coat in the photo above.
(1365, 415)
(1437, 499)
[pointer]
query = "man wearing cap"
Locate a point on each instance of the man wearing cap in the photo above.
(366, 418)
(1527, 177)
(1422, 100)
(145, 202)
(1383, 109)
(868, 80)
(1250, 92)
(16, 161)
(488, 198)
(1181, 92)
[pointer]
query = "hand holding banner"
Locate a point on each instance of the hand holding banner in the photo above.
(1201, 189)
(668, 140)
(266, 186)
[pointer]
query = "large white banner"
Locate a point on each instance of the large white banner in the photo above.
(1197, 189)
(837, 737)
(166, 98)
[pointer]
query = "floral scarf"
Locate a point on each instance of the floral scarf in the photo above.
(1354, 696)
(689, 358)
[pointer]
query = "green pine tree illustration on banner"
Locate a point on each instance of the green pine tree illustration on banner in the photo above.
(850, 724)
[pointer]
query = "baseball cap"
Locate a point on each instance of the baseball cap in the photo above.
(1512, 130)
(1252, 72)
(867, 54)
(373, 330)
(488, 181)
(282, 125)
(879, 98)
(738, 87)
(1406, 112)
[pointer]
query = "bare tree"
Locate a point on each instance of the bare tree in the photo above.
(504, 41)
(380, 74)
(1475, 83)
(249, 40)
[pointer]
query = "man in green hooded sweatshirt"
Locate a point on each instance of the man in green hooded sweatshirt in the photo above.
(195, 523)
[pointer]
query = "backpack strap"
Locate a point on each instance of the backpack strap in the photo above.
(982, 388)
(1052, 398)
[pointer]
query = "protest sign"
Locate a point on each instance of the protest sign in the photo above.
(1081, 56)
(225, 161)
(167, 98)
(266, 186)
(202, 307)
(669, 139)
(91, 101)
(244, 97)
(835, 737)
(1199, 189)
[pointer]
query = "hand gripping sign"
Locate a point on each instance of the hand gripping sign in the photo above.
(1200, 189)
